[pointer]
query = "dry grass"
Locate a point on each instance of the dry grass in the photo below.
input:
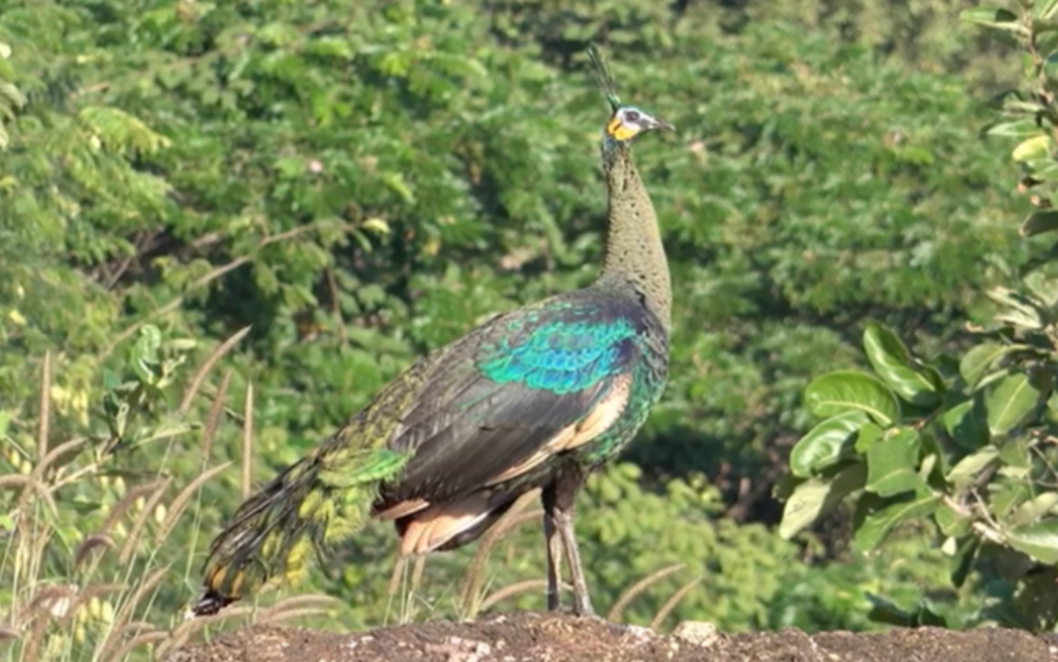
(100, 595)
(107, 592)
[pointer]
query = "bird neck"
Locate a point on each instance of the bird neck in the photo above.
(634, 252)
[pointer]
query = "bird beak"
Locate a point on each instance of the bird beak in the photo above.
(655, 123)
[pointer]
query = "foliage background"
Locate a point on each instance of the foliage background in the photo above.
(360, 181)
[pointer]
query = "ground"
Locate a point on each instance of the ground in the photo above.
(533, 637)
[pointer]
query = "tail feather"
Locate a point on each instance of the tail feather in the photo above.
(257, 544)
(317, 501)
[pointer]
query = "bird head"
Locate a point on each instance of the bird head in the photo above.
(627, 122)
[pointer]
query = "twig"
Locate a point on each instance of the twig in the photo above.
(207, 365)
(671, 603)
(336, 308)
(209, 278)
(213, 419)
(635, 589)
(247, 442)
(45, 406)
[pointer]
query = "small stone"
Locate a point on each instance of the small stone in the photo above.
(699, 633)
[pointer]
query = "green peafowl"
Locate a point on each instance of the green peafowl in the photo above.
(537, 397)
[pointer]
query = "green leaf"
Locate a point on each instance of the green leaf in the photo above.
(1006, 495)
(964, 472)
(1045, 9)
(966, 424)
(963, 560)
(1035, 508)
(993, 17)
(1017, 129)
(1038, 222)
(1021, 310)
(979, 360)
(867, 435)
(827, 443)
(892, 464)
(1015, 453)
(884, 611)
(951, 522)
(814, 498)
(877, 524)
(1040, 540)
(842, 391)
(1009, 402)
(1032, 149)
(144, 354)
(891, 360)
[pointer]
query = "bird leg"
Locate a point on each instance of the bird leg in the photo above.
(553, 544)
(558, 500)
(581, 598)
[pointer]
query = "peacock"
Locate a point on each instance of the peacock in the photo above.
(535, 398)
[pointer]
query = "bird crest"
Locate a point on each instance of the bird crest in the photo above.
(626, 122)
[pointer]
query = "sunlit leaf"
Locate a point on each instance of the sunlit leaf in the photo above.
(1039, 540)
(993, 17)
(979, 360)
(827, 443)
(891, 360)
(1009, 402)
(879, 523)
(843, 391)
(966, 470)
(892, 464)
(814, 498)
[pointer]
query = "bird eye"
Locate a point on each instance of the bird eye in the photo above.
(632, 116)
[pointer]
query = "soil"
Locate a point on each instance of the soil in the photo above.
(537, 637)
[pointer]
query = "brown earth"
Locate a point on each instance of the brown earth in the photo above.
(533, 637)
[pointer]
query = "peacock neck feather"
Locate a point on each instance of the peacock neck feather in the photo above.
(635, 255)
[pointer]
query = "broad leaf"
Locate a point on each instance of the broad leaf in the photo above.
(966, 424)
(1038, 222)
(1030, 149)
(891, 360)
(144, 354)
(993, 17)
(1016, 453)
(1020, 309)
(892, 464)
(814, 498)
(1045, 9)
(1040, 540)
(827, 443)
(1009, 402)
(884, 611)
(1006, 495)
(979, 360)
(952, 522)
(967, 469)
(963, 561)
(842, 391)
(1035, 508)
(1017, 129)
(877, 524)
(867, 435)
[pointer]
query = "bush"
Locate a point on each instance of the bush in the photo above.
(967, 440)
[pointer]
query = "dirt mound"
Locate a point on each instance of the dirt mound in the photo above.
(535, 637)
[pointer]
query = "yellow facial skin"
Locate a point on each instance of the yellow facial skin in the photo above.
(619, 131)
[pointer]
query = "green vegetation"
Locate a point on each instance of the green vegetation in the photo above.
(966, 440)
(224, 225)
